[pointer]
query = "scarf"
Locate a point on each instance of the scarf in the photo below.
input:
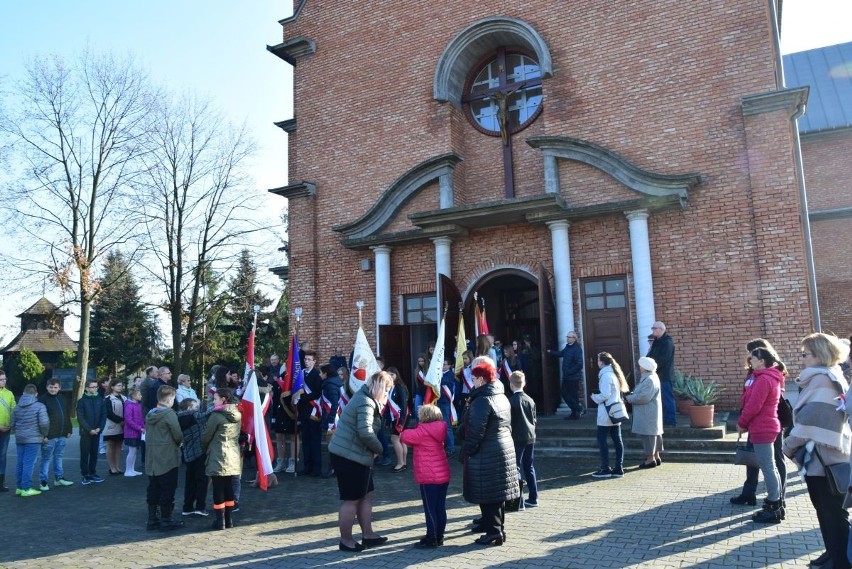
(816, 416)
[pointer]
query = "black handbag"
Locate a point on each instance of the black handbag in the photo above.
(837, 475)
(745, 455)
(515, 505)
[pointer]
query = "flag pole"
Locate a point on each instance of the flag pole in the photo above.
(295, 442)
(476, 315)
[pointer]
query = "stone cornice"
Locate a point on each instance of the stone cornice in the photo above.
(293, 49)
(298, 190)
(828, 214)
(404, 237)
(288, 126)
(791, 100)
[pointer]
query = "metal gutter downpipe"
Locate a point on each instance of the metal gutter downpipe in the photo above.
(800, 174)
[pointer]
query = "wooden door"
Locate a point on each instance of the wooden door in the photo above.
(550, 392)
(396, 349)
(606, 326)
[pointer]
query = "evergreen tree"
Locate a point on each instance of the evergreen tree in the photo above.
(236, 322)
(124, 332)
(23, 369)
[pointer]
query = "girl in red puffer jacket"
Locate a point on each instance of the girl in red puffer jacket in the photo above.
(431, 470)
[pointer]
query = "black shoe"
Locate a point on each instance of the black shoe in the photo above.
(743, 500)
(476, 521)
(770, 514)
(496, 539)
(427, 543)
(645, 465)
(344, 547)
(821, 560)
(168, 524)
(659, 461)
(373, 541)
(477, 528)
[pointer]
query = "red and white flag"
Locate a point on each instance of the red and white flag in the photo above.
(253, 408)
(364, 363)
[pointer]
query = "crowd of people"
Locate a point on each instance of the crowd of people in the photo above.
(163, 425)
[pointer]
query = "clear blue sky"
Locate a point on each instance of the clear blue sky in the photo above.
(217, 48)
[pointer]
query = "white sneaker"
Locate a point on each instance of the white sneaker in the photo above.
(279, 465)
(291, 466)
(130, 473)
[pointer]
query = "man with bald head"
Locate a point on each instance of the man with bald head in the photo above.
(663, 351)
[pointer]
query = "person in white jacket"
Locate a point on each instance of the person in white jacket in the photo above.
(611, 384)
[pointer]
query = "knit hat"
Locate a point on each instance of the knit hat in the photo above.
(647, 363)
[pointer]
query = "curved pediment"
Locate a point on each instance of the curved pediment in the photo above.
(400, 191)
(632, 176)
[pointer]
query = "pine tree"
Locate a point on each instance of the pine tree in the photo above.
(124, 333)
(243, 295)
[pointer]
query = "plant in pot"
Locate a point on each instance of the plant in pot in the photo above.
(703, 396)
(679, 387)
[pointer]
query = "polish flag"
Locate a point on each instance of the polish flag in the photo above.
(435, 371)
(364, 363)
(252, 409)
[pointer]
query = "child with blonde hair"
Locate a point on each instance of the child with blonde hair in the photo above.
(431, 470)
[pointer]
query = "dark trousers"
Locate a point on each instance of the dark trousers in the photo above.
(384, 440)
(668, 401)
(311, 446)
(223, 490)
(833, 519)
(524, 455)
(194, 485)
(88, 454)
(752, 472)
(615, 433)
(161, 491)
(492, 519)
(434, 498)
(570, 391)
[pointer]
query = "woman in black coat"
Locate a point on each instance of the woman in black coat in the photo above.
(488, 454)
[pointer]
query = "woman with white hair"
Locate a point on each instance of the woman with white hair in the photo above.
(648, 412)
(353, 448)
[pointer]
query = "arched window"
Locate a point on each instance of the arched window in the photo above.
(503, 93)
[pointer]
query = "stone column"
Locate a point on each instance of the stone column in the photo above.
(383, 288)
(643, 285)
(443, 263)
(562, 277)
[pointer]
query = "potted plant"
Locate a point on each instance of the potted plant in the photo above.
(679, 384)
(703, 396)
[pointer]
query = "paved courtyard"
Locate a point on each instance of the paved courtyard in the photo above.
(677, 515)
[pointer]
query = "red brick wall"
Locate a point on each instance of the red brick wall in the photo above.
(659, 83)
(828, 169)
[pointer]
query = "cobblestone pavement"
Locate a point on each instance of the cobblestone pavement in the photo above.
(677, 515)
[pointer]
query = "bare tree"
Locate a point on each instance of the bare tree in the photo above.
(197, 209)
(76, 135)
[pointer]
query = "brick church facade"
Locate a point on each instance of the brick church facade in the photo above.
(594, 167)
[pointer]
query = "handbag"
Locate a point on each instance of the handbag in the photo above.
(617, 412)
(837, 475)
(785, 413)
(745, 455)
(515, 504)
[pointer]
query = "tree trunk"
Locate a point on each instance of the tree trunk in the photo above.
(177, 349)
(83, 348)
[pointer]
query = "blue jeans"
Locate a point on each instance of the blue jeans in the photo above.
(4, 447)
(52, 451)
(27, 454)
(444, 406)
(434, 498)
(615, 433)
(752, 472)
(524, 455)
(669, 407)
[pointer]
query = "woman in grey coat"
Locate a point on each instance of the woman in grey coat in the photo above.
(648, 412)
(488, 453)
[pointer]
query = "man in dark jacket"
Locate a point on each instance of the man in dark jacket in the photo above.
(58, 433)
(572, 373)
(663, 351)
(309, 420)
(91, 415)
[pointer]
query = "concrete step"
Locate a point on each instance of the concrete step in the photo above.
(633, 454)
(728, 444)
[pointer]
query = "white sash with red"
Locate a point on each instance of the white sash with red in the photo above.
(467, 380)
(454, 417)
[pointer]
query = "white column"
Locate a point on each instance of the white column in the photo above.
(643, 285)
(443, 263)
(383, 289)
(562, 277)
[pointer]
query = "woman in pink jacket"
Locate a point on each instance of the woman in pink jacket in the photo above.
(431, 470)
(759, 418)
